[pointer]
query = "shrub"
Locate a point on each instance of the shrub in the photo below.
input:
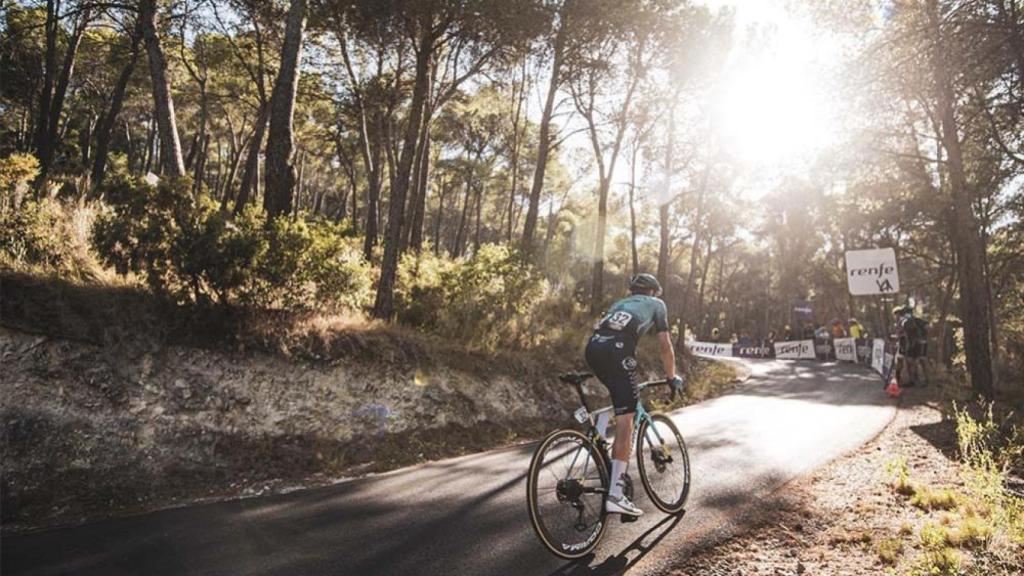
(16, 171)
(487, 299)
(40, 234)
(189, 250)
(889, 550)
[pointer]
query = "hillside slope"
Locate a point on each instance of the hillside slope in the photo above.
(106, 407)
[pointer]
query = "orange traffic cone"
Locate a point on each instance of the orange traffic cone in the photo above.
(893, 389)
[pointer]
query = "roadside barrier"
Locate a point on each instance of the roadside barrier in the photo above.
(876, 353)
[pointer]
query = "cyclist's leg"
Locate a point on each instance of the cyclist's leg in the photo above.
(614, 365)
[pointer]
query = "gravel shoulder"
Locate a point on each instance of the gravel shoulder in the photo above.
(846, 518)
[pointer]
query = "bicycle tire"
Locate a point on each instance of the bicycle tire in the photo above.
(544, 510)
(667, 483)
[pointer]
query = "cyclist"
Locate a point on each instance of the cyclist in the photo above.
(610, 355)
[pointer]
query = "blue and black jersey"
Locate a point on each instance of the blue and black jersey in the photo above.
(610, 352)
(633, 316)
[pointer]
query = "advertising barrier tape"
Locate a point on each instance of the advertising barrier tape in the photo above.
(710, 349)
(846, 349)
(877, 353)
(795, 350)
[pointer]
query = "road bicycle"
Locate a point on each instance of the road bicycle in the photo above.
(568, 477)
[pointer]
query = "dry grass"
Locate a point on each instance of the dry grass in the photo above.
(927, 498)
(889, 550)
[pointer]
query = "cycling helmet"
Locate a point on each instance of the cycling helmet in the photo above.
(644, 282)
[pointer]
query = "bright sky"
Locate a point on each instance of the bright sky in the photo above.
(776, 109)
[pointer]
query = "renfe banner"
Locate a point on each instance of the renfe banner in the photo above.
(878, 353)
(872, 272)
(846, 349)
(878, 356)
(795, 350)
(709, 348)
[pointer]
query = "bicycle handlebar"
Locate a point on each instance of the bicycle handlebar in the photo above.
(653, 383)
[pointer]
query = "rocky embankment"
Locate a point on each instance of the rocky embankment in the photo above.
(91, 430)
(112, 402)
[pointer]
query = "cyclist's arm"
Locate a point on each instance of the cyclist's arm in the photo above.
(668, 354)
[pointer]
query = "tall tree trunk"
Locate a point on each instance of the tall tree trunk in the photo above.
(249, 188)
(374, 182)
(52, 27)
(166, 121)
(943, 353)
(597, 282)
(200, 170)
(419, 203)
(384, 305)
(520, 97)
(280, 177)
(664, 247)
(479, 213)
(457, 248)
(442, 192)
(974, 298)
(544, 140)
(632, 217)
(106, 125)
(147, 156)
(199, 140)
(49, 145)
(85, 138)
(698, 238)
(235, 156)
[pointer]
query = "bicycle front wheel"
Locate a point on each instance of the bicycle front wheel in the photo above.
(565, 490)
(663, 463)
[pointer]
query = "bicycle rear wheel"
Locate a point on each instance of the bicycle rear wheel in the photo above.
(565, 490)
(663, 463)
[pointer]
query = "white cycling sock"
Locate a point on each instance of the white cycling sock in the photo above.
(618, 469)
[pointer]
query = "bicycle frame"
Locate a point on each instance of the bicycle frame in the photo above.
(639, 416)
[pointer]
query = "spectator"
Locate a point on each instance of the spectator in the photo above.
(715, 337)
(912, 334)
(837, 329)
(809, 331)
(733, 339)
(688, 333)
(855, 329)
(787, 333)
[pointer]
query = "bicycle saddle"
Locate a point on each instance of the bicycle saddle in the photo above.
(575, 377)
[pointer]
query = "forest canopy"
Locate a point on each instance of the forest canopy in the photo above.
(495, 170)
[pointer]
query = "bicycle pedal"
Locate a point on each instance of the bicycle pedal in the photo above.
(627, 518)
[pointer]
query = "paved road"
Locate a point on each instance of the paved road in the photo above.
(468, 515)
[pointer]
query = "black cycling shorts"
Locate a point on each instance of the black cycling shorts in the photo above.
(611, 358)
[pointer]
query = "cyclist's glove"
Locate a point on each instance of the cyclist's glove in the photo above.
(677, 385)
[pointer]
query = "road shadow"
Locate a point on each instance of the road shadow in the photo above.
(621, 562)
(831, 383)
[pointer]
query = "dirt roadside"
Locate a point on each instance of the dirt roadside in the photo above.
(852, 518)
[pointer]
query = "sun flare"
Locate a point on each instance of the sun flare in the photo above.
(774, 106)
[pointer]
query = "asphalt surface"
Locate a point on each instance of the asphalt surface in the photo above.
(468, 515)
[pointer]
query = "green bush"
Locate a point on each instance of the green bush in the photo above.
(39, 234)
(189, 250)
(16, 172)
(487, 299)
